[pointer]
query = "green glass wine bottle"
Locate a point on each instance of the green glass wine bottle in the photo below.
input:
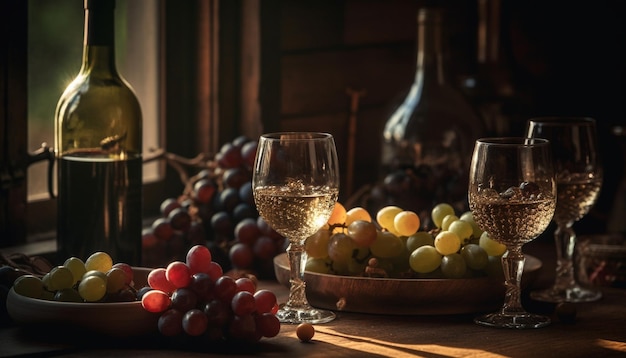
(98, 144)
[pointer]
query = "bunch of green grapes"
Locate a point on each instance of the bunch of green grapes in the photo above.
(96, 279)
(395, 245)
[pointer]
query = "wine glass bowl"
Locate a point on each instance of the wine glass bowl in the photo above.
(295, 185)
(579, 180)
(512, 196)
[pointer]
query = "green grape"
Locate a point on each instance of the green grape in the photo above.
(318, 265)
(46, 280)
(361, 253)
(387, 245)
(29, 286)
(385, 217)
(340, 248)
(116, 280)
(494, 268)
(475, 256)
(406, 223)
(100, 274)
(447, 220)
(439, 212)
(316, 245)
(492, 247)
(447, 242)
(100, 261)
(425, 259)
(356, 268)
(59, 277)
(453, 266)
(67, 295)
(469, 217)
(462, 229)
(357, 213)
(363, 233)
(418, 239)
(92, 288)
(76, 266)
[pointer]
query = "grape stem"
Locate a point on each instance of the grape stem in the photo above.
(179, 163)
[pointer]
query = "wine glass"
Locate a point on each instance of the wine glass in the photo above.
(295, 184)
(579, 179)
(512, 195)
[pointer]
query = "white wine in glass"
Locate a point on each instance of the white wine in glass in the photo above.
(579, 179)
(295, 184)
(512, 195)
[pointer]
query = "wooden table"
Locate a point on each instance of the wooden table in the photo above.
(599, 331)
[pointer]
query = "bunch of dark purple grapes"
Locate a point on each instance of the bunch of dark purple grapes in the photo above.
(217, 209)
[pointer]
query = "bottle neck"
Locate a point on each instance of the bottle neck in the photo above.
(430, 67)
(99, 38)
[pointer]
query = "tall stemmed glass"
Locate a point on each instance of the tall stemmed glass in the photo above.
(296, 184)
(512, 194)
(579, 179)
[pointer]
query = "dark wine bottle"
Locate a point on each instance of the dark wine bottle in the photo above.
(98, 144)
(428, 140)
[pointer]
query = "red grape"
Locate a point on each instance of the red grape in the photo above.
(215, 271)
(229, 156)
(195, 322)
(202, 284)
(248, 153)
(265, 300)
(265, 248)
(171, 323)
(243, 303)
(155, 301)
(228, 199)
(235, 177)
(267, 325)
(180, 219)
(225, 288)
(199, 259)
(245, 284)
(178, 274)
(247, 231)
(243, 328)
(184, 299)
(162, 228)
(241, 256)
(204, 189)
(218, 313)
(157, 279)
(168, 205)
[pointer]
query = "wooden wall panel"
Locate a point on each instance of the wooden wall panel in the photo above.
(317, 82)
(311, 24)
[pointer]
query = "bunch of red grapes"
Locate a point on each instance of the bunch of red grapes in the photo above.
(217, 209)
(195, 298)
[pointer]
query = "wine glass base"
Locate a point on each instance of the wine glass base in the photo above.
(306, 314)
(575, 294)
(516, 321)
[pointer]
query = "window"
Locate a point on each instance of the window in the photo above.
(176, 46)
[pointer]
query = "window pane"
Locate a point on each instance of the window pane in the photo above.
(55, 41)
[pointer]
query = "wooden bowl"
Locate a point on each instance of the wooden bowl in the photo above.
(117, 319)
(403, 296)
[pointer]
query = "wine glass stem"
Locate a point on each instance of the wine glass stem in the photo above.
(513, 265)
(297, 259)
(565, 239)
